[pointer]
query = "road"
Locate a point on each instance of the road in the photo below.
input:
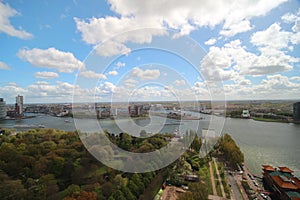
(235, 189)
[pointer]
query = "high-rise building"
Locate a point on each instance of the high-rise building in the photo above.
(2, 108)
(19, 105)
(296, 113)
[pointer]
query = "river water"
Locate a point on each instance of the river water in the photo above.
(277, 144)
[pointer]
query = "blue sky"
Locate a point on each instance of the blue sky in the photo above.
(244, 50)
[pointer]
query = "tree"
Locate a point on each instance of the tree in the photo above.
(127, 193)
(56, 165)
(197, 191)
(71, 189)
(107, 189)
(134, 188)
(10, 189)
(196, 144)
(119, 195)
(83, 195)
(47, 185)
(230, 150)
(119, 181)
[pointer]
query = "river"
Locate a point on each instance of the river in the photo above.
(273, 143)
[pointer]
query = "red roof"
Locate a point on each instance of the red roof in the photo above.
(285, 169)
(283, 184)
(268, 168)
(296, 181)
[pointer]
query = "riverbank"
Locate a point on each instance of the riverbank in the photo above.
(18, 118)
(271, 120)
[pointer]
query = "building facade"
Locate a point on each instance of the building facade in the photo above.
(19, 106)
(282, 183)
(296, 111)
(2, 108)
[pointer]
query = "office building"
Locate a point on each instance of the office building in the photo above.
(19, 105)
(2, 108)
(296, 111)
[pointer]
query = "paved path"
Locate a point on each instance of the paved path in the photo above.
(219, 177)
(212, 179)
(235, 189)
(238, 181)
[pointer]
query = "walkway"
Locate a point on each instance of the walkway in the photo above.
(212, 179)
(219, 177)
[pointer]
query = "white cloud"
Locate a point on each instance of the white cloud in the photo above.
(113, 73)
(272, 37)
(148, 74)
(51, 58)
(271, 87)
(295, 78)
(278, 82)
(130, 83)
(211, 41)
(46, 75)
(111, 48)
(233, 60)
(179, 82)
(5, 26)
(289, 18)
(4, 66)
(120, 64)
(107, 88)
(216, 65)
(92, 74)
(42, 91)
(233, 29)
(181, 16)
(296, 27)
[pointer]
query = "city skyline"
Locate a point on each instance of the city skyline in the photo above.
(251, 49)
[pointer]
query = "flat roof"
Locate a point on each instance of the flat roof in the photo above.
(268, 168)
(279, 173)
(285, 169)
(296, 181)
(293, 194)
(284, 184)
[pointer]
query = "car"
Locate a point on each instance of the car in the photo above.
(255, 183)
(264, 196)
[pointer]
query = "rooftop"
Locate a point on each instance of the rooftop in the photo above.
(268, 168)
(283, 183)
(285, 169)
(279, 173)
(294, 195)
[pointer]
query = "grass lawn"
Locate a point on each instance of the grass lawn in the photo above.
(269, 120)
(218, 187)
(101, 170)
(205, 176)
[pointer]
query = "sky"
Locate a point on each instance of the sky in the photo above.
(131, 50)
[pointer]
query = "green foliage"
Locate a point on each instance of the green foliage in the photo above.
(54, 164)
(196, 144)
(230, 150)
(127, 193)
(197, 191)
